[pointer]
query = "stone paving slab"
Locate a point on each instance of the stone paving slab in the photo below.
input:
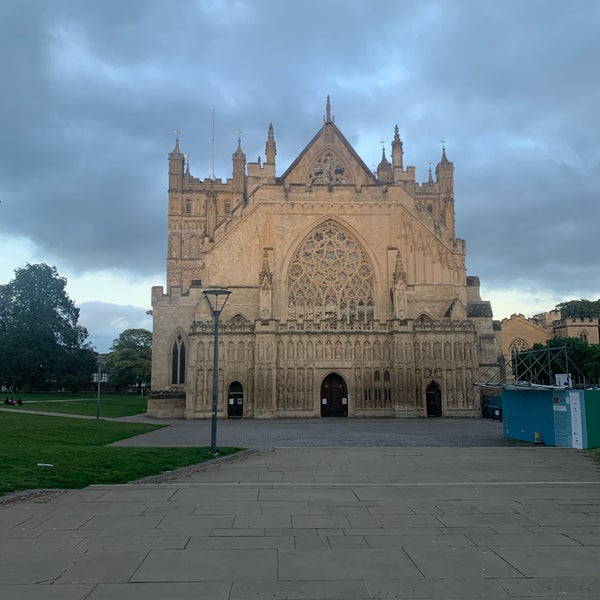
(330, 524)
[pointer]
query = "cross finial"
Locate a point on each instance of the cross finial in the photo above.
(239, 134)
(176, 132)
(443, 142)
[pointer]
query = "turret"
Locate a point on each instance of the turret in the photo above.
(271, 148)
(444, 173)
(397, 155)
(176, 167)
(384, 170)
(239, 169)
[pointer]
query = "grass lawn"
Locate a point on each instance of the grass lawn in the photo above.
(77, 452)
(111, 404)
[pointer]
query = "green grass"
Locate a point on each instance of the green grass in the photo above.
(111, 404)
(77, 451)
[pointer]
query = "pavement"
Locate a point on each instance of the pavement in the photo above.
(322, 522)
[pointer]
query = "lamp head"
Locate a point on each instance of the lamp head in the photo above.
(216, 299)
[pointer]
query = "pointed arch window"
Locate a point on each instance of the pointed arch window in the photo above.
(330, 277)
(178, 361)
(328, 169)
(518, 345)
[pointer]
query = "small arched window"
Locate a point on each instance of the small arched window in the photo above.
(518, 345)
(178, 361)
(386, 375)
(377, 376)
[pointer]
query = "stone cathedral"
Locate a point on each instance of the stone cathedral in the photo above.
(349, 293)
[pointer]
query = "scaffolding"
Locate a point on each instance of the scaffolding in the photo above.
(550, 367)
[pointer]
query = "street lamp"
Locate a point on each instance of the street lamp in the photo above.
(216, 299)
(101, 363)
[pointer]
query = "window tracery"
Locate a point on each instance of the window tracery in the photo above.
(519, 345)
(327, 170)
(330, 277)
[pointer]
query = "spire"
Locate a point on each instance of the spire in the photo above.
(384, 169)
(328, 118)
(176, 166)
(384, 161)
(444, 160)
(239, 153)
(271, 147)
(444, 172)
(176, 153)
(430, 180)
(239, 167)
(397, 150)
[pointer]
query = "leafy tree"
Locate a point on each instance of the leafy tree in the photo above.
(579, 308)
(130, 359)
(41, 344)
(583, 360)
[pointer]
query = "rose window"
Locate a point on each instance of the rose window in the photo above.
(330, 277)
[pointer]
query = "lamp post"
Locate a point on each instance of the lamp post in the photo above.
(216, 299)
(101, 362)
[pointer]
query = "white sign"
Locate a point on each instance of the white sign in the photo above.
(576, 426)
(324, 401)
(344, 400)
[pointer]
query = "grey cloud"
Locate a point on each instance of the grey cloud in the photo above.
(106, 321)
(96, 89)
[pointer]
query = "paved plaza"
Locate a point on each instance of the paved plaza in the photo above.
(325, 521)
(332, 432)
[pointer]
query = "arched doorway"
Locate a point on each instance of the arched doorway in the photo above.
(434, 400)
(235, 401)
(334, 396)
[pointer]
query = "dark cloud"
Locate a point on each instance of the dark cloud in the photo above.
(93, 91)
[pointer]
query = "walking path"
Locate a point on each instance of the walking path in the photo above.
(319, 523)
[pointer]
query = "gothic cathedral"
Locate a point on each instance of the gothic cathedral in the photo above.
(349, 293)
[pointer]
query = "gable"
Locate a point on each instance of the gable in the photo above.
(328, 159)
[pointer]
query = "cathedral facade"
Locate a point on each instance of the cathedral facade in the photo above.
(349, 293)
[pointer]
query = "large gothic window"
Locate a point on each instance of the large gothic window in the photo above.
(330, 278)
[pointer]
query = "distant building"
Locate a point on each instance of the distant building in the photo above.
(521, 333)
(349, 293)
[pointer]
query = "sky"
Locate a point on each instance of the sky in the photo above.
(93, 91)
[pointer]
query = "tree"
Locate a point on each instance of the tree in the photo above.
(41, 344)
(130, 359)
(579, 308)
(582, 360)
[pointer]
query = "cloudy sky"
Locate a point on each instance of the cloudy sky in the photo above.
(92, 92)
